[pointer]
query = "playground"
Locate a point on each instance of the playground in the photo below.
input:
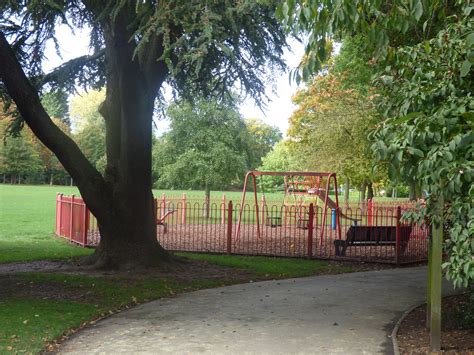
(309, 222)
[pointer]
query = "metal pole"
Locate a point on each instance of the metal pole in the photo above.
(71, 221)
(397, 234)
(310, 230)
(338, 216)
(229, 228)
(436, 279)
(428, 285)
(256, 206)
(237, 232)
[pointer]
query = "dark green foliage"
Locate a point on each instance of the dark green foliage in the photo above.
(263, 138)
(207, 145)
(56, 105)
(19, 160)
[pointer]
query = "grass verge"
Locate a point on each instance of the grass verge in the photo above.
(271, 266)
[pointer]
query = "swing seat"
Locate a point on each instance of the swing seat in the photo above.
(302, 223)
(273, 222)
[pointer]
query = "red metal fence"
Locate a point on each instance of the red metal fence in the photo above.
(72, 219)
(371, 232)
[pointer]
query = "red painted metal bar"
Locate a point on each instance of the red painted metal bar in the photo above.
(86, 225)
(338, 210)
(310, 230)
(59, 211)
(71, 220)
(325, 210)
(288, 173)
(398, 235)
(237, 232)
(229, 228)
(256, 206)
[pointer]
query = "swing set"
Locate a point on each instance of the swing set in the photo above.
(301, 189)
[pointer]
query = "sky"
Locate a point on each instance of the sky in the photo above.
(276, 113)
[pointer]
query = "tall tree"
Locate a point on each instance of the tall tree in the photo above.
(280, 158)
(18, 157)
(56, 105)
(207, 146)
(330, 129)
(263, 139)
(195, 46)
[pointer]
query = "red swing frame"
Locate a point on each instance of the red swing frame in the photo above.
(254, 173)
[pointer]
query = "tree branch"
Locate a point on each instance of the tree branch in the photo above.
(69, 69)
(91, 184)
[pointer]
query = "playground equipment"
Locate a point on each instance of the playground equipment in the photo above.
(310, 185)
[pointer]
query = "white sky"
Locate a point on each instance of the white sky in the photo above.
(277, 111)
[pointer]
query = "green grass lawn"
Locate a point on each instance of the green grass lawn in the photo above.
(27, 218)
(271, 267)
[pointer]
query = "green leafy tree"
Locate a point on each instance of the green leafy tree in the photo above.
(329, 130)
(196, 47)
(428, 133)
(19, 160)
(424, 54)
(56, 105)
(263, 138)
(280, 158)
(52, 169)
(207, 147)
(89, 126)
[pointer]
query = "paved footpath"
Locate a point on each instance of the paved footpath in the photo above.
(346, 314)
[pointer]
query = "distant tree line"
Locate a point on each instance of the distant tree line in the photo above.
(208, 146)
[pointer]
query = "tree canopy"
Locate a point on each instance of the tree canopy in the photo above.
(208, 48)
(207, 146)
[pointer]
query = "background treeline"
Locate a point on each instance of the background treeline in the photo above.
(208, 146)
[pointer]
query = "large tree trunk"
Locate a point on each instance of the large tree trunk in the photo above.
(128, 236)
(122, 200)
(207, 202)
(363, 188)
(370, 191)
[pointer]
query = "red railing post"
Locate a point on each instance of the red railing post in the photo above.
(71, 220)
(86, 224)
(398, 235)
(229, 228)
(310, 230)
(163, 205)
(59, 216)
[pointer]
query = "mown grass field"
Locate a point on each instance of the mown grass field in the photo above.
(27, 218)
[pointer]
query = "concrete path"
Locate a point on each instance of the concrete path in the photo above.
(347, 314)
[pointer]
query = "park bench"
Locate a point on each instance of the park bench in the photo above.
(373, 236)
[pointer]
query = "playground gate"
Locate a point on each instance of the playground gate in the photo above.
(375, 231)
